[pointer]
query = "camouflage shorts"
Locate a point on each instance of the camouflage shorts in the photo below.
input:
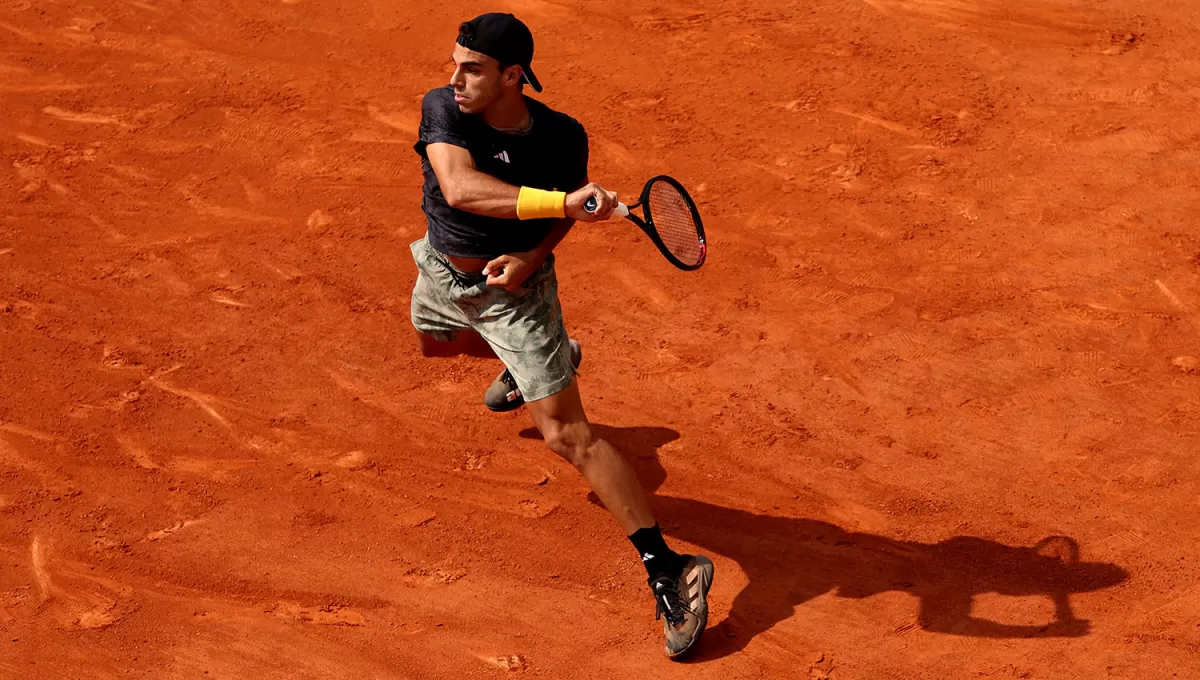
(524, 328)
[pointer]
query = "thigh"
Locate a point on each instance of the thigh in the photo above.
(525, 330)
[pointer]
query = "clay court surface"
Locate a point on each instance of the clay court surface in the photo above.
(932, 407)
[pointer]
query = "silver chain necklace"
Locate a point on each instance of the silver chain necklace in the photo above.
(516, 131)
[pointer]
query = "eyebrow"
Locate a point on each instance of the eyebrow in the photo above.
(467, 63)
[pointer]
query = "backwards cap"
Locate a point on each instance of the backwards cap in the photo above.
(504, 38)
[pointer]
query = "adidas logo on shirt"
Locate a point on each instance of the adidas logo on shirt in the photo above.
(503, 155)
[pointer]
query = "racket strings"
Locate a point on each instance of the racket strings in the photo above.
(672, 216)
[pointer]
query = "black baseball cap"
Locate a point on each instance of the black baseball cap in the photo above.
(502, 37)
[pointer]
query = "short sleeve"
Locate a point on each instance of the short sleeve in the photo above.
(441, 121)
(577, 166)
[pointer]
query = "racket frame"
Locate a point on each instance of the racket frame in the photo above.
(646, 224)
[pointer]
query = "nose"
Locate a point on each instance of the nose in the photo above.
(456, 79)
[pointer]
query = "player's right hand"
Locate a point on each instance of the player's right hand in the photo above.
(606, 203)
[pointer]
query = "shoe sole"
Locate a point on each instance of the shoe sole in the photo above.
(706, 579)
(515, 405)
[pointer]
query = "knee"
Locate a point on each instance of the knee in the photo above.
(571, 441)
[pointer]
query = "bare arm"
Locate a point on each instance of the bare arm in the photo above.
(555, 237)
(510, 271)
(468, 189)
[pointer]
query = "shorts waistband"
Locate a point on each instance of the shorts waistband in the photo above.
(462, 278)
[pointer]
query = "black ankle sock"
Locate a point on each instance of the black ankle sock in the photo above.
(658, 559)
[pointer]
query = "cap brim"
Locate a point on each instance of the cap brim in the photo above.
(527, 74)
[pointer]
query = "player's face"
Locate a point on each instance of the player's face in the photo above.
(478, 81)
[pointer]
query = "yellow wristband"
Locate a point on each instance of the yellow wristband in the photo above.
(535, 204)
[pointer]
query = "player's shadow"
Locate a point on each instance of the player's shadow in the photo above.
(789, 561)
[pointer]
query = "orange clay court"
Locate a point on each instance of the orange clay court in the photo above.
(932, 406)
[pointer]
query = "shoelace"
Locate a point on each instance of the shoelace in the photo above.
(509, 381)
(670, 602)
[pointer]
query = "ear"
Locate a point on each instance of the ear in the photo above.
(512, 75)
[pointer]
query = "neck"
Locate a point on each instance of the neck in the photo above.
(509, 112)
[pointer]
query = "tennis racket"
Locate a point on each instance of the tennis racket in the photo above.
(670, 219)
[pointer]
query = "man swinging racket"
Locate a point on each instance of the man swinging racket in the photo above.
(505, 179)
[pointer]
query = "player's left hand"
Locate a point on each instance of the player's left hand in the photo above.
(511, 271)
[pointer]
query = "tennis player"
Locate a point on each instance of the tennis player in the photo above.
(505, 179)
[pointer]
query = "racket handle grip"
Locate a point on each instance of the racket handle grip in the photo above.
(621, 210)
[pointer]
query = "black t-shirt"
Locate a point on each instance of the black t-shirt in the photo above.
(553, 155)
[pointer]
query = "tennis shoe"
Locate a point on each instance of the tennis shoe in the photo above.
(683, 604)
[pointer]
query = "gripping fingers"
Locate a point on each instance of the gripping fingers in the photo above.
(609, 202)
(601, 202)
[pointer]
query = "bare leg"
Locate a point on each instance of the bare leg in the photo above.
(468, 342)
(565, 427)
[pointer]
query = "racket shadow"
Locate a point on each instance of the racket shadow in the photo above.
(789, 561)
